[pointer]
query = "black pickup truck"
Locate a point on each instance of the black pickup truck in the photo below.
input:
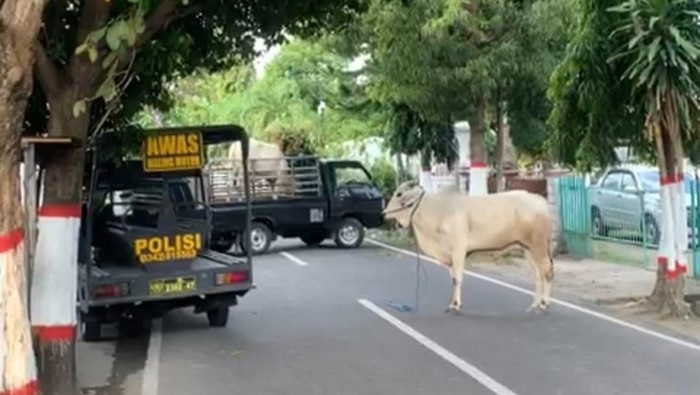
(294, 197)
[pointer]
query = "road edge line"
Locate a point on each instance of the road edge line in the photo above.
(293, 258)
(471, 370)
(569, 305)
(149, 382)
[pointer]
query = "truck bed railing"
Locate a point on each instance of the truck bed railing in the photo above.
(270, 179)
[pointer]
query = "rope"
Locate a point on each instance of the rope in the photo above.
(402, 307)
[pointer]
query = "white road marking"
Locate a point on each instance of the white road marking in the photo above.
(149, 384)
(572, 306)
(293, 259)
(493, 385)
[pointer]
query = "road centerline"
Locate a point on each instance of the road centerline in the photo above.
(568, 305)
(293, 258)
(471, 370)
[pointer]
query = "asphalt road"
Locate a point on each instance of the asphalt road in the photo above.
(323, 323)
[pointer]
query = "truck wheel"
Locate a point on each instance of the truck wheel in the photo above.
(222, 245)
(218, 317)
(260, 239)
(350, 233)
(91, 331)
(313, 239)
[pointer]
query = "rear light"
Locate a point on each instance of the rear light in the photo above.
(231, 278)
(112, 290)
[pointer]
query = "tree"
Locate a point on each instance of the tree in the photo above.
(635, 69)
(283, 105)
(98, 63)
(447, 60)
(20, 21)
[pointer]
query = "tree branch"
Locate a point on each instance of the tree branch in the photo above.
(46, 71)
(159, 19)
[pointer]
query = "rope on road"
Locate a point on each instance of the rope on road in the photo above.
(402, 307)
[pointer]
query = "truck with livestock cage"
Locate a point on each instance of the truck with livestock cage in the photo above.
(292, 197)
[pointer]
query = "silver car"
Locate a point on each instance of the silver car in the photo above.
(627, 198)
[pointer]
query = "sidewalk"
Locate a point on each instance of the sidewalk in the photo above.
(612, 285)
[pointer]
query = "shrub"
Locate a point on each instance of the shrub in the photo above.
(384, 176)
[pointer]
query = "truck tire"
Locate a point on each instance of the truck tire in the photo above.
(350, 233)
(261, 238)
(91, 331)
(222, 245)
(314, 239)
(218, 317)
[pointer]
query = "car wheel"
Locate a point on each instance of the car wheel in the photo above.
(218, 317)
(599, 228)
(350, 233)
(260, 239)
(651, 230)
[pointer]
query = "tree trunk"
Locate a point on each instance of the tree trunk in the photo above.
(501, 141)
(478, 169)
(54, 286)
(19, 24)
(668, 293)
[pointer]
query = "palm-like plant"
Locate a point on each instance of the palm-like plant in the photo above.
(662, 62)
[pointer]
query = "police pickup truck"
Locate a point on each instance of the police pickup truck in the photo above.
(293, 197)
(145, 234)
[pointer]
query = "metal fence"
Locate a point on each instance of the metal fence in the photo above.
(620, 226)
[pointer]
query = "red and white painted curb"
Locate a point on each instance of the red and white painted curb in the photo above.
(17, 361)
(54, 281)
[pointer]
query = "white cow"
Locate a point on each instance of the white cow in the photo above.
(266, 164)
(449, 226)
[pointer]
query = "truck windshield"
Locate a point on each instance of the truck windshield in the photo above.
(348, 175)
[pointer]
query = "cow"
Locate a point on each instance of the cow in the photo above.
(450, 226)
(267, 164)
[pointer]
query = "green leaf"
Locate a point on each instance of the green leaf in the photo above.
(107, 90)
(109, 59)
(114, 35)
(654, 49)
(81, 48)
(92, 53)
(79, 107)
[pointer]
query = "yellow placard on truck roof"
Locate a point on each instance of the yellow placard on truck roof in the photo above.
(172, 151)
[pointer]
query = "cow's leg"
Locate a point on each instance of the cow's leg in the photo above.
(537, 299)
(457, 272)
(545, 267)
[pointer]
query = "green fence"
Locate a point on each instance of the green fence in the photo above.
(620, 225)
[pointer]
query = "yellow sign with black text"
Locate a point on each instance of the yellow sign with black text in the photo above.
(167, 248)
(173, 152)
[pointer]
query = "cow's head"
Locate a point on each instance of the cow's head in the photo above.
(401, 204)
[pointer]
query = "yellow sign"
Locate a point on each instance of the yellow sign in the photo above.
(172, 285)
(173, 152)
(167, 248)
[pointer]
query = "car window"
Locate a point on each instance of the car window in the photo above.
(628, 181)
(612, 181)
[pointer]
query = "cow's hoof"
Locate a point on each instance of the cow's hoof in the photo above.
(452, 309)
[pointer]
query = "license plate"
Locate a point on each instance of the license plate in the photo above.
(165, 286)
